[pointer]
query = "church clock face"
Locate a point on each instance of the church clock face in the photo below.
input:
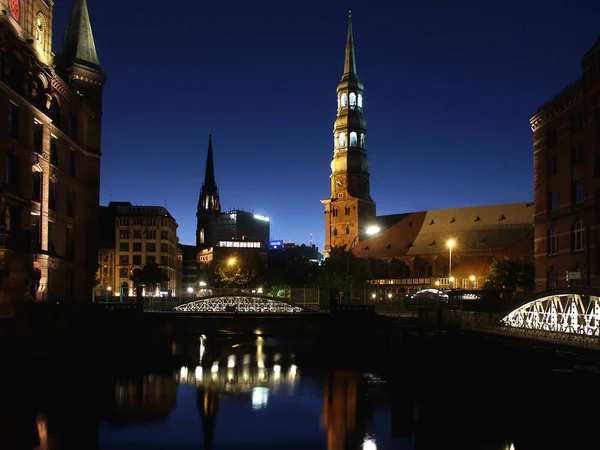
(15, 9)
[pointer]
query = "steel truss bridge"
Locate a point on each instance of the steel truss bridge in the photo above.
(567, 316)
(239, 304)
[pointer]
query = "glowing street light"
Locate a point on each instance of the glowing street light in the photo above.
(450, 244)
(190, 290)
(203, 283)
(373, 229)
(231, 261)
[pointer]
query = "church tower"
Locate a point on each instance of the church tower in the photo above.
(350, 208)
(209, 205)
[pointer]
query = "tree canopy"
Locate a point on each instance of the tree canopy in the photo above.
(151, 273)
(510, 274)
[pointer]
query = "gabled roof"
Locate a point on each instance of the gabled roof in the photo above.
(475, 230)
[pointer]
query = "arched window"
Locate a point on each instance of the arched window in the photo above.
(338, 100)
(344, 100)
(353, 139)
(352, 98)
(347, 230)
(577, 236)
(552, 241)
(359, 102)
(335, 231)
(40, 23)
(342, 139)
(362, 140)
(347, 210)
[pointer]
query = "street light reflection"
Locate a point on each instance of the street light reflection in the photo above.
(369, 443)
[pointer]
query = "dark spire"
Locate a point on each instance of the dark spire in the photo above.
(209, 195)
(209, 175)
(350, 61)
(78, 46)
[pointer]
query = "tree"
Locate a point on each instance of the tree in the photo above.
(344, 271)
(151, 273)
(510, 274)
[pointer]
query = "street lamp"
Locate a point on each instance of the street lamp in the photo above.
(108, 289)
(231, 261)
(450, 244)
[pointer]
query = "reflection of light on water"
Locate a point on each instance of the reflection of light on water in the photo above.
(510, 446)
(184, 372)
(198, 372)
(202, 347)
(293, 370)
(231, 361)
(260, 398)
(369, 443)
(215, 367)
(246, 359)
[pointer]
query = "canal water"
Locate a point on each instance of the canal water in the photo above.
(230, 392)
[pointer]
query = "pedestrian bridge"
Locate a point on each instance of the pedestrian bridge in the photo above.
(239, 304)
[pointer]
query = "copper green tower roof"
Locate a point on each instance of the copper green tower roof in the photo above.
(78, 46)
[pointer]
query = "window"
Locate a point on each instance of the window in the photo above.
(39, 29)
(578, 192)
(353, 139)
(551, 137)
(52, 196)
(344, 100)
(38, 137)
(53, 110)
(70, 202)
(552, 242)
(137, 259)
(164, 235)
(552, 166)
(71, 167)
(577, 236)
(164, 260)
(36, 230)
(137, 246)
(164, 248)
(347, 210)
(151, 234)
(347, 230)
(577, 122)
(36, 186)
(123, 246)
(335, 231)
(577, 154)
(124, 272)
(70, 241)
(11, 170)
(53, 151)
(150, 247)
(342, 139)
(352, 98)
(51, 236)
(137, 234)
(124, 260)
(552, 201)
(465, 283)
(362, 140)
(13, 120)
(360, 99)
(73, 125)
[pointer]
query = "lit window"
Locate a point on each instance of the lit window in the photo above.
(39, 29)
(352, 99)
(353, 139)
(362, 140)
(359, 102)
(344, 100)
(552, 242)
(338, 100)
(342, 139)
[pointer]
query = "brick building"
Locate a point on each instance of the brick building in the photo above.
(50, 114)
(409, 251)
(566, 145)
(133, 236)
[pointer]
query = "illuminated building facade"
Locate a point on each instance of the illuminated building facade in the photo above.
(413, 253)
(566, 139)
(350, 209)
(141, 235)
(50, 149)
(409, 251)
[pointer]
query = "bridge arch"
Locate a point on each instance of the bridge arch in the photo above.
(575, 312)
(239, 304)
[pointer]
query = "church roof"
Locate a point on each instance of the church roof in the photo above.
(476, 230)
(350, 59)
(78, 46)
(594, 48)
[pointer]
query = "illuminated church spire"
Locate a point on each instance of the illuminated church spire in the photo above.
(350, 208)
(208, 202)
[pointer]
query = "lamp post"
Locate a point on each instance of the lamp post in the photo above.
(108, 289)
(450, 244)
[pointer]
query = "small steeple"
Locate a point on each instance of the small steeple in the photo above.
(78, 46)
(210, 183)
(350, 61)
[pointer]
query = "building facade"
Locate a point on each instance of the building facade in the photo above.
(50, 151)
(142, 235)
(414, 252)
(350, 209)
(566, 144)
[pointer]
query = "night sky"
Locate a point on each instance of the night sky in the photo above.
(449, 90)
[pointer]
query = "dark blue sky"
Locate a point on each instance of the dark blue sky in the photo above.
(449, 90)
